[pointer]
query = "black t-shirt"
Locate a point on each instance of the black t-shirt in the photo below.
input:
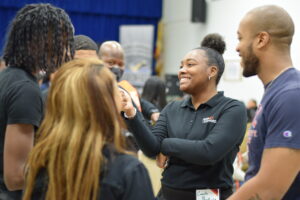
(123, 177)
(20, 103)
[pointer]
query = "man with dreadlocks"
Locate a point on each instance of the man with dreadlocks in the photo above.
(40, 39)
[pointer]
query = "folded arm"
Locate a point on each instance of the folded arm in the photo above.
(226, 134)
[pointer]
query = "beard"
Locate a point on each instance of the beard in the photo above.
(250, 63)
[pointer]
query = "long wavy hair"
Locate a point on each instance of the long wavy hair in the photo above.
(40, 37)
(82, 116)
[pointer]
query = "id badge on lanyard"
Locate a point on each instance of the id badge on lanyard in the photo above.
(208, 194)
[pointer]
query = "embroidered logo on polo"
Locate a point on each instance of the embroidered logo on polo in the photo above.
(209, 120)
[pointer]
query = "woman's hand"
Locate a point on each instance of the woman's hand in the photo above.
(161, 161)
(126, 104)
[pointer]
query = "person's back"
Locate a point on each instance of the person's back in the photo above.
(120, 172)
(80, 152)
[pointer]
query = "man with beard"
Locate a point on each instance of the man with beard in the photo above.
(265, 35)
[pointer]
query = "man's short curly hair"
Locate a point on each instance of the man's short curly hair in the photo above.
(40, 37)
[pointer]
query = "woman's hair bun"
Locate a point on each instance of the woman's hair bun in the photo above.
(214, 41)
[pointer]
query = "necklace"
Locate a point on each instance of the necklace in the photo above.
(271, 82)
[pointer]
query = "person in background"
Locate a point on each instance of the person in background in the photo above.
(84, 47)
(198, 136)
(80, 152)
(241, 162)
(265, 35)
(112, 54)
(154, 91)
(251, 109)
(40, 39)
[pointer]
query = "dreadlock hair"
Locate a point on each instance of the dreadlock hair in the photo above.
(40, 37)
(214, 46)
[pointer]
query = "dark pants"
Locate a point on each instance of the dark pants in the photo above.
(188, 194)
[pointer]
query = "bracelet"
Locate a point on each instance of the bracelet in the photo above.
(130, 117)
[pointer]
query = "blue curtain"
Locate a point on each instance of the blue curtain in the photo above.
(99, 19)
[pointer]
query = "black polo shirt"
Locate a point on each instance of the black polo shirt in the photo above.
(201, 144)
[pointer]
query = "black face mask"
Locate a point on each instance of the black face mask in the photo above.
(117, 72)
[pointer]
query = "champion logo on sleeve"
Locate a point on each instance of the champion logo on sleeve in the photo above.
(287, 134)
(209, 120)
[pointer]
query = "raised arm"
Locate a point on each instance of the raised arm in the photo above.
(226, 134)
(148, 141)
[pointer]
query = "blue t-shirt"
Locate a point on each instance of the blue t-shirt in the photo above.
(277, 124)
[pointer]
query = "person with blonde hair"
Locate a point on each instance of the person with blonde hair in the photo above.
(79, 152)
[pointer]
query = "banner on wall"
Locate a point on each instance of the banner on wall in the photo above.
(137, 41)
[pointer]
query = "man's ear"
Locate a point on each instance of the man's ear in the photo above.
(262, 39)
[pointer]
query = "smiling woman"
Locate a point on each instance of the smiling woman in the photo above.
(202, 68)
(198, 136)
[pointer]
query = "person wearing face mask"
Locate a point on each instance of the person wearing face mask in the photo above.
(112, 54)
(199, 136)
